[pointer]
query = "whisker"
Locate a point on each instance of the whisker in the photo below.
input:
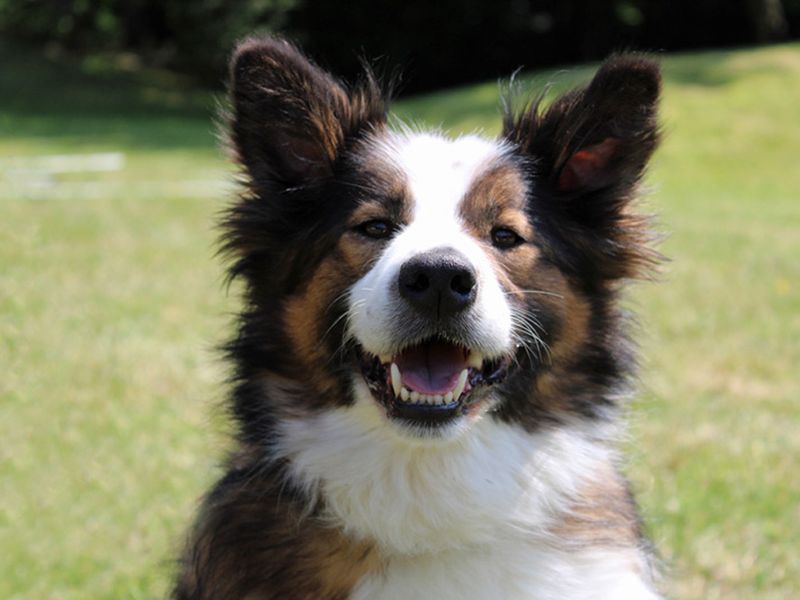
(347, 337)
(336, 300)
(334, 324)
(540, 292)
(530, 327)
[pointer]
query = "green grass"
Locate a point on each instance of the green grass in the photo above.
(111, 303)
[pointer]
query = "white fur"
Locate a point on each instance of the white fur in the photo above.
(439, 173)
(462, 518)
(510, 570)
(413, 496)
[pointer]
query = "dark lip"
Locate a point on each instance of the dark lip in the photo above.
(376, 376)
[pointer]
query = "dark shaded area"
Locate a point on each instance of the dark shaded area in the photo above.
(449, 42)
(68, 100)
(437, 44)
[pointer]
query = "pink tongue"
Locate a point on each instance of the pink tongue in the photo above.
(431, 368)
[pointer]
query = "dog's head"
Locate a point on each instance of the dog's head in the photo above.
(434, 279)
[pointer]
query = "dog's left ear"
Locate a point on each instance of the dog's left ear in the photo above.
(596, 137)
(588, 151)
(291, 119)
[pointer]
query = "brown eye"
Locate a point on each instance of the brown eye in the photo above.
(377, 229)
(504, 238)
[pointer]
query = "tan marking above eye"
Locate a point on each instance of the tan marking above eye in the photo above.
(393, 210)
(497, 199)
(517, 221)
(367, 212)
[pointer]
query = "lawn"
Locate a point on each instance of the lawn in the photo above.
(111, 305)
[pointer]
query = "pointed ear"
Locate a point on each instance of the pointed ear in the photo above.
(588, 151)
(291, 120)
(597, 137)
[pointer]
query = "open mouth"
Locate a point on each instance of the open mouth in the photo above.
(431, 382)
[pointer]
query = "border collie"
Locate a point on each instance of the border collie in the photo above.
(431, 357)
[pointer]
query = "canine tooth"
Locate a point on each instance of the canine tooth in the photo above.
(414, 396)
(396, 380)
(462, 382)
(404, 394)
(448, 397)
(475, 360)
(385, 358)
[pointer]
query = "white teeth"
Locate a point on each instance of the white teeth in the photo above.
(414, 397)
(475, 360)
(396, 380)
(462, 382)
(385, 358)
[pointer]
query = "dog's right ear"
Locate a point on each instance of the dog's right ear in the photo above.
(290, 118)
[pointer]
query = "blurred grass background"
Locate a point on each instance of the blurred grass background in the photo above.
(111, 305)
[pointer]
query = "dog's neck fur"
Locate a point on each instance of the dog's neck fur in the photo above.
(416, 496)
(476, 517)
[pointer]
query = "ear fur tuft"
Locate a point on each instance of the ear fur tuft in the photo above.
(292, 119)
(618, 108)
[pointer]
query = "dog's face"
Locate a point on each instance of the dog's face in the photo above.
(437, 317)
(436, 280)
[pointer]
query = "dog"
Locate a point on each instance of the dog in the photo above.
(431, 359)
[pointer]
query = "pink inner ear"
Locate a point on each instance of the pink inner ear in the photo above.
(587, 168)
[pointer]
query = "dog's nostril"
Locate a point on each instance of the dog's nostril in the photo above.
(418, 282)
(463, 283)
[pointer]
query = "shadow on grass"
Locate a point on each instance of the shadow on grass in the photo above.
(468, 108)
(66, 100)
(85, 103)
(717, 68)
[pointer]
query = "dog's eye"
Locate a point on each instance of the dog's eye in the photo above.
(376, 228)
(503, 237)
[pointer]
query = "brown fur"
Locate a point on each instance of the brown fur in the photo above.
(280, 550)
(498, 196)
(603, 515)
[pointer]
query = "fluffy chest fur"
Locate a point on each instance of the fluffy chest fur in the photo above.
(498, 483)
(479, 518)
(510, 570)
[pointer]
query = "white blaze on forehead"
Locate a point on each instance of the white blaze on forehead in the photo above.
(438, 174)
(440, 171)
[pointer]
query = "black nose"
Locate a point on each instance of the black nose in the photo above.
(439, 283)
